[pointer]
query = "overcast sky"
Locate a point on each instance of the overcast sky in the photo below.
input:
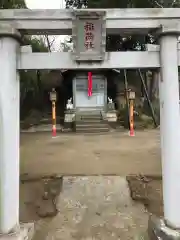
(48, 4)
(45, 4)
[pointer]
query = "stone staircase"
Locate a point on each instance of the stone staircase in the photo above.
(91, 122)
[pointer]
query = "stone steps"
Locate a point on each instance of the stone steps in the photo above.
(92, 130)
(91, 123)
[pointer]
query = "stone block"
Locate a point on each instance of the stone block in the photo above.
(24, 232)
(158, 230)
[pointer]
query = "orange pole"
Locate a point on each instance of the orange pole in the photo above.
(131, 118)
(53, 118)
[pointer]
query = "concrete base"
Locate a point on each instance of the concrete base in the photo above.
(158, 230)
(25, 232)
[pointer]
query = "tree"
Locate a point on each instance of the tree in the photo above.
(8, 4)
(66, 45)
(122, 4)
(116, 42)
(37, 44)
(32, 81)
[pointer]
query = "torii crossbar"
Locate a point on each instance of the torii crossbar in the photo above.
(163, 22)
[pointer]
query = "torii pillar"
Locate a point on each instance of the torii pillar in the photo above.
(9, 135)
(169, 227)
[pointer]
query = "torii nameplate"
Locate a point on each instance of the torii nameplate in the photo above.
(89, 35)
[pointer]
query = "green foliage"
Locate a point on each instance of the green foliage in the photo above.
(115, 42)
(37, 44)
(30, 81)
(28, 84)
(122, 3)
(8, 4)
(31, 86)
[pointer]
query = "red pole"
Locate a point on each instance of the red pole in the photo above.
(131, 119)
(53, 119)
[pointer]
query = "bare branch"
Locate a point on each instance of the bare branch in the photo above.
(173, 3)
(161, 6)
(52, 42)
(48, 43)
(158, 4)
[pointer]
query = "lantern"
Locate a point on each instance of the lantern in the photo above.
(53, 95)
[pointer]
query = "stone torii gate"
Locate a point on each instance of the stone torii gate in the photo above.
(164, 22)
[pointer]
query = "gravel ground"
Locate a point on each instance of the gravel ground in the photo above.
(148, 190)
(94, 208)
(85, 155)
(91, 207)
